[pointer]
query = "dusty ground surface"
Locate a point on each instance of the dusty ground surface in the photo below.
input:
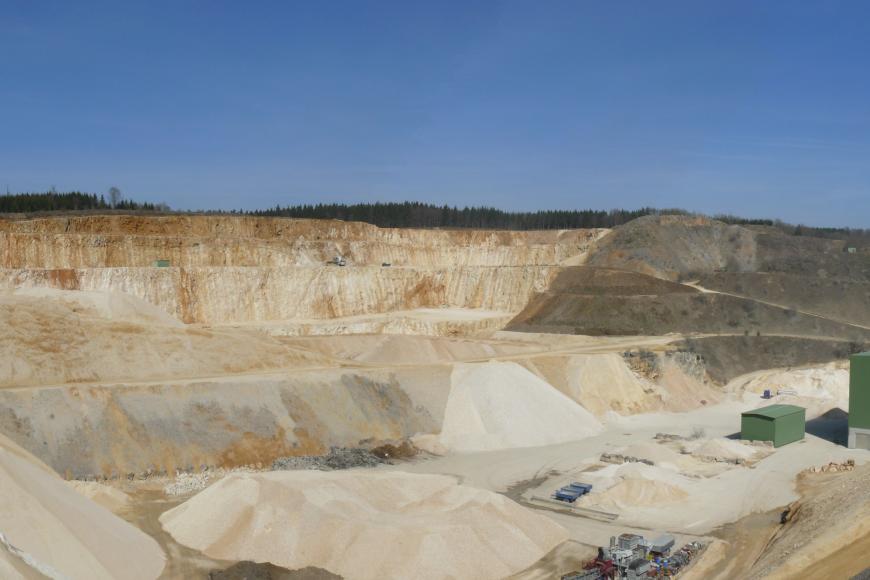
(250, 348)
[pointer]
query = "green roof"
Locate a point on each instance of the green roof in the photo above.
(862, 354)
(775, 411)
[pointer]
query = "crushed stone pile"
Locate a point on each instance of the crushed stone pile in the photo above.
(47, 526)
(501, 405)
(190, 482)
(337, 458)
(364, 525)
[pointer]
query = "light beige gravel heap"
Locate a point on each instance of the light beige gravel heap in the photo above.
(49, 528)
(501, 405)
(364, 525)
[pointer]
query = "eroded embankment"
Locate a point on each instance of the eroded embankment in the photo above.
(232, 295)
(89, 430)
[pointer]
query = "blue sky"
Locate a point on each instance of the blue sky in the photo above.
(755, 108)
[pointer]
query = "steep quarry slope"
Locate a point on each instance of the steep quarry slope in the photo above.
(366, 525)
(49, 529)
(210, 241)
(58, 337)
(238, 295)
(231, 270)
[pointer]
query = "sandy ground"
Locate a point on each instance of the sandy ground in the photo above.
(709, 502)
(111, 498)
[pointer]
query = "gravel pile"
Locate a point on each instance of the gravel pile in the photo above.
(185, 483)
(337, 458)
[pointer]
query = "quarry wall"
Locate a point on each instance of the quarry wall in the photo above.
(236, 294)
(203, 241)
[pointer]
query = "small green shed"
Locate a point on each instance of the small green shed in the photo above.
(859, 401)
(161, 263)
(782, 424)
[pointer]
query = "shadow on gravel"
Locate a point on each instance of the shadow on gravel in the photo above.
(832, 426)
(256, 571)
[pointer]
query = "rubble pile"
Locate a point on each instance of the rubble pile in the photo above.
(619, 458)
(832, 467)
(337, 458)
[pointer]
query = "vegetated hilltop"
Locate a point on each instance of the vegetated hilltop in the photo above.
(753, 281)
(684, 247)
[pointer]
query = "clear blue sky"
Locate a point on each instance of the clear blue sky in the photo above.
(758, 108)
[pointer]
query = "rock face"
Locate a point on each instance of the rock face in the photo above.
(229, 270)
(211, 241)
(245, 294)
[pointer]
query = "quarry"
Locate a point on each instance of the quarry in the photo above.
(216, 396)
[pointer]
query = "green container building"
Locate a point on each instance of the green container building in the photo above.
(859, 401)
(781, 424)
(161, 263)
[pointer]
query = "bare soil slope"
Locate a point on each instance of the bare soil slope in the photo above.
(672, 247)
(58, 338)
(840, 299)
(682, 247)
(834, 513)
(676, 312)
(728, 357)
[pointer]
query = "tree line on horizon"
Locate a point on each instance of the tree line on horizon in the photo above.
(408, 214)
(424, 215)
(70, 201)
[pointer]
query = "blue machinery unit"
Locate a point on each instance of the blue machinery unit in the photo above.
(572, 491)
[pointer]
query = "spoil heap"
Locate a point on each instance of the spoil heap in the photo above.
(364, 525)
